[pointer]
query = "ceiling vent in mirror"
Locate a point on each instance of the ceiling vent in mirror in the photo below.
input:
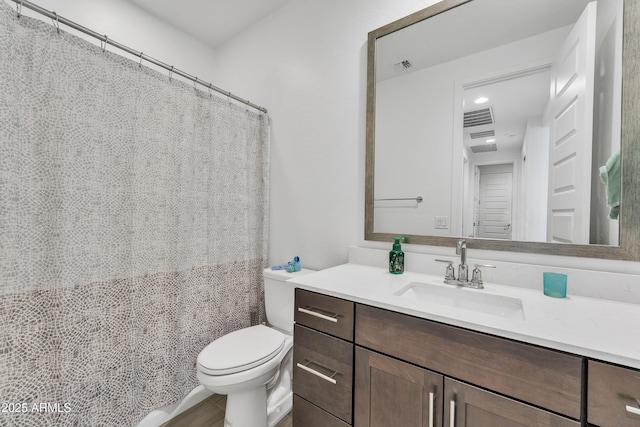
(403, 65)
(484, 134)
(483, 116)
(484, 148)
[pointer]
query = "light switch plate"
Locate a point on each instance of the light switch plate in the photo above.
(442, 222)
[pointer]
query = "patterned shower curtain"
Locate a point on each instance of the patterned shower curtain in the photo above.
(133, 229)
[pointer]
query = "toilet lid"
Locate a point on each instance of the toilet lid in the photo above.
(240, 350)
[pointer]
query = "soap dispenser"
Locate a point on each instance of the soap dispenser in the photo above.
(396, 258)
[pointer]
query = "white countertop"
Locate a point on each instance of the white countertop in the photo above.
(599, 329)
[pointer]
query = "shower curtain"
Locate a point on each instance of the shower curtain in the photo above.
(133, 229)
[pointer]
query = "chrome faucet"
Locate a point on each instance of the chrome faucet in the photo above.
(463, 269)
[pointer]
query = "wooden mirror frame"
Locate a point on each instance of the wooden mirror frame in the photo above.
(629, 222)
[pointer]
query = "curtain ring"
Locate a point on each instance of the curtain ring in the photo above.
(19, 8)
(103, 43)
(229, 97)
(195, 82)
(56, 23)
(140, 63)
(171, 73)
(210, 93)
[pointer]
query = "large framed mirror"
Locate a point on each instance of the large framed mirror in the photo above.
(512, 124)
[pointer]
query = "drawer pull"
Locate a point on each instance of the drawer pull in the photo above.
(431, 398)
(318, 374)
(452, 413)
(633, 410)
(332, 318)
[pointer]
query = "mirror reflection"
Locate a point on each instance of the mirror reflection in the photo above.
(500, 119)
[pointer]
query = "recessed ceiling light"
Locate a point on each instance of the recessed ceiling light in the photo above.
(481, 100)
(488, 141)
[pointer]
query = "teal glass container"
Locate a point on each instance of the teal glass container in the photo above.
(554, 284)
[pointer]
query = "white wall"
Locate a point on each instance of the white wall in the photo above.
(413, 153)
(307, 64)
(534, 171)
(127, 24)
(415, 128)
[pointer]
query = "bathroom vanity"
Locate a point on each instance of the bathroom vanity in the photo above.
(369, 353)
(429, 354)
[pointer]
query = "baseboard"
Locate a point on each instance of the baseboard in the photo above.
(159, 416)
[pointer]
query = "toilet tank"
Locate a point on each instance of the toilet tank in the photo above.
(279, 297)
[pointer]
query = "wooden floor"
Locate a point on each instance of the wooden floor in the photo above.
(210, 413)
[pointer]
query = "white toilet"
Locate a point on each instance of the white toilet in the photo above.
(253, 366)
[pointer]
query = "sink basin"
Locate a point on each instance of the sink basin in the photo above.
(464, 298)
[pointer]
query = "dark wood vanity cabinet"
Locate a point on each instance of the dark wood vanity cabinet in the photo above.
(613, 395)
(322, 360)
(393, 369)
(540, 376)
(390, 392)
(514, 384)
(306, 414)
(466, 406)
(333, 316)
(323, 372)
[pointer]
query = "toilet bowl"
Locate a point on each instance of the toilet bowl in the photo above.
(253, 366)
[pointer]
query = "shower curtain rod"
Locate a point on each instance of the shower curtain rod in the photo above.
(106, 40)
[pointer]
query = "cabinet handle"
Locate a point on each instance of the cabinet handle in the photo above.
(431, 398)
(633, 410)
(316, 373)
(332, 318)
(452, 413)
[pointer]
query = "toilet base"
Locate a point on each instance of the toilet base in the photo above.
(277, 413)
(279, 395)
(246, 409)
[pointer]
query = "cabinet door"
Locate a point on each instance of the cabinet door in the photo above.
(614, 395)
(468, 406)
(389, 392)
(307, 415)
(323, 371)
(542, 377)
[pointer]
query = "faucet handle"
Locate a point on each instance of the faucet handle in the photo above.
(449, 272)
(476, 276)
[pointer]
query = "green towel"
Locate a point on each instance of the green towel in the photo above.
(610, 177)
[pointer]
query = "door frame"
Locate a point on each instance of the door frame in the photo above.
(515, 192)
(461, 199)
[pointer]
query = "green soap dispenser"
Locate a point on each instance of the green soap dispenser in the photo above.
(396, 258)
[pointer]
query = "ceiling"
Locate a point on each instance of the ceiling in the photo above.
(473, 27)
(476, 27)
(211, 21)
(511, 113)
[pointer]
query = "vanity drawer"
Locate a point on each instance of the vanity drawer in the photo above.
(614, 395)
(546, 378)
(323, 371)
(306, 414)
(324, 313)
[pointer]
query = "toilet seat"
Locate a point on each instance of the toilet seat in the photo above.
(240, 350)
